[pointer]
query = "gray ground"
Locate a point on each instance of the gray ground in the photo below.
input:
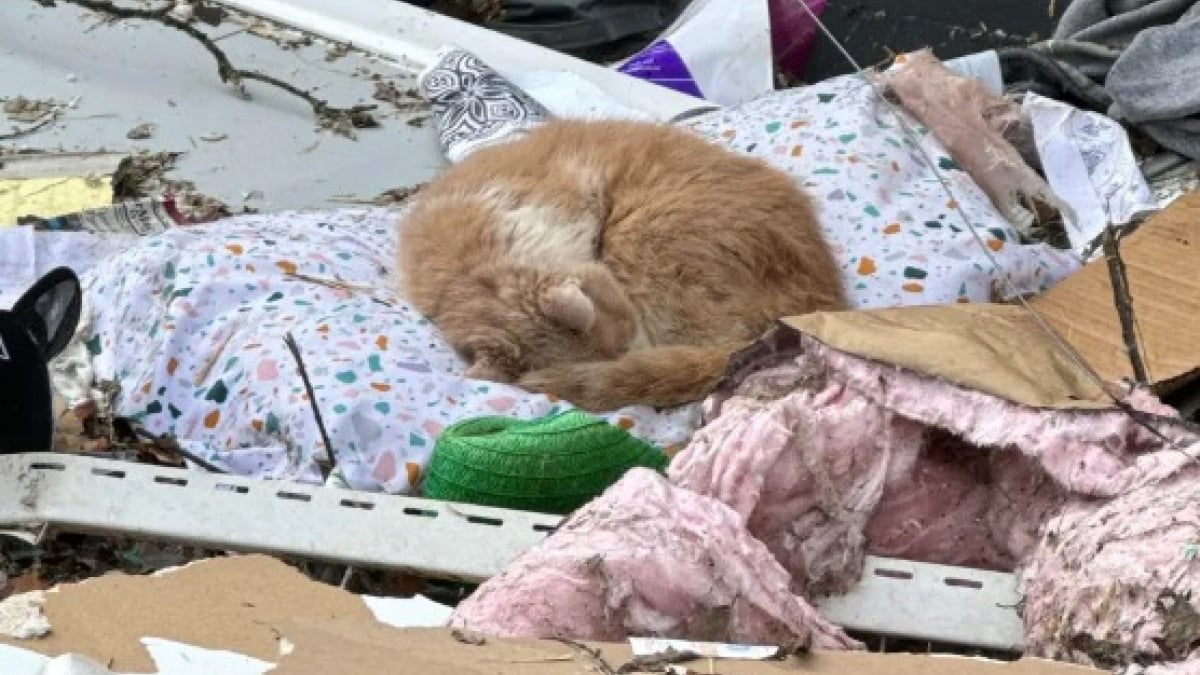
(269, 154)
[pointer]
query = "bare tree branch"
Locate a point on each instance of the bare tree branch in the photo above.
(340, 120)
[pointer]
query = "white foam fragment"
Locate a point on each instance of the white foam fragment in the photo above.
(21, 616)
(415, 612)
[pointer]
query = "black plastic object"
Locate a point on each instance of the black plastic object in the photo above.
(37, 328)
(580, 25)
(872, 29)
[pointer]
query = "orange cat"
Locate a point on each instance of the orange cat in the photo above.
(611, 263)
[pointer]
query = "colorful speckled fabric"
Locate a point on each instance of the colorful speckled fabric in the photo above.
(893, 227)
(889, 220)
(191, 323)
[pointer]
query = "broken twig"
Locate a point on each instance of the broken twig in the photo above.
(49, 116)
(171, 446)
(594, 656)
(1124, 304)
(340, 120)
(339, 285)
(325, 464)
(41, 122)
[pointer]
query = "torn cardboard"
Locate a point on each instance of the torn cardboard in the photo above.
(1161, 260)
(1001, 350)
(995, 349)
(231, 604)
(259, 607)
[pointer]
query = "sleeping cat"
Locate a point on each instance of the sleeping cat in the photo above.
(611, 263)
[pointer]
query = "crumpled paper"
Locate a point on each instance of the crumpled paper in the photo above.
(1090, 165)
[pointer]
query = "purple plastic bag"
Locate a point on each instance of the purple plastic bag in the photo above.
(793, 32)
(727, 51)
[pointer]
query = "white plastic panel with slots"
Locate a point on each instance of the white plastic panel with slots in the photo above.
(939, 603)
(442, 540)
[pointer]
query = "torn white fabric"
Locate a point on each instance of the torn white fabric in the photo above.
(18, 270)
(414, 612)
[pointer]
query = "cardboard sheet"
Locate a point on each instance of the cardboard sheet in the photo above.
(257, 606)
(1162, 261)
(232, 604)
(996, 349)
(424, 651)
(1000, 350)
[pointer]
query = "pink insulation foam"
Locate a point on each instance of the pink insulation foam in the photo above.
(968, 120)
(810, 504)
(819, 457)
(830, 456)
(1119, 579)
(650, 559)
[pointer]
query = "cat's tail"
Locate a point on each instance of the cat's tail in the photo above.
(657, 376)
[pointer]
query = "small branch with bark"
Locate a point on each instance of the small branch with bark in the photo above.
(327, 462)
(1123, 300)
(340, 120)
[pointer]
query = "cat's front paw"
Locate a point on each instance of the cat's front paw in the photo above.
(549, 381)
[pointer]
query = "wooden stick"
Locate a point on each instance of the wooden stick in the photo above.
(327, 463)
(1124, 304)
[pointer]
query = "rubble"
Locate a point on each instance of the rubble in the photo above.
(406, 100)
(21, 109)
(259, 609)
(37, 113)
(340, 120)
(1045, 441)
(145, 173)
(141, 132)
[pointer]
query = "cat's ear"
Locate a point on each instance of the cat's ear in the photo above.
(567, 305)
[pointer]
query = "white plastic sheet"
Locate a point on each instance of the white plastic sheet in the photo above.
(1090, 165)
(170, 658)
(718, 50)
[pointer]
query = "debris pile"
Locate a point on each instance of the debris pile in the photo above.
(995, 451)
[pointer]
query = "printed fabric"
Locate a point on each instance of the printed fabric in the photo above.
(899, 237)
(473, 104)
(191, 324)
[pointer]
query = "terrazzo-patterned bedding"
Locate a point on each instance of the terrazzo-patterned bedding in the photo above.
(898, 235)
(191, 322)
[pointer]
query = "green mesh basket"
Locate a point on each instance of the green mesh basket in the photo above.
(550, 465)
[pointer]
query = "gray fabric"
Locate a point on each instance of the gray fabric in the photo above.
(1136, 60)
(1158, 77)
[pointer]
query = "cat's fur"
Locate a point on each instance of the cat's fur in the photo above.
(612, 263)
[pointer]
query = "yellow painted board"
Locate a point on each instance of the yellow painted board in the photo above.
(51, 196)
